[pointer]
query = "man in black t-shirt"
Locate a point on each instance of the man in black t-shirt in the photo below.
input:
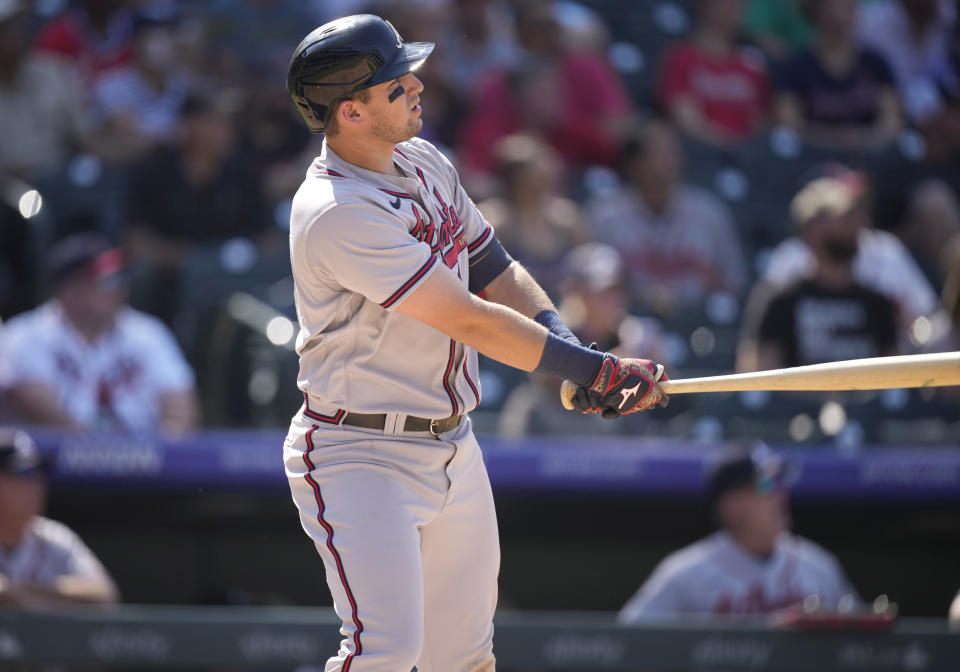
(826, 316)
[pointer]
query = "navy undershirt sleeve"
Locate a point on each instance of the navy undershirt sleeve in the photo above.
(552, 321)
(487, 265)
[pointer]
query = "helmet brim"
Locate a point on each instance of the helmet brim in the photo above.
(411, 57)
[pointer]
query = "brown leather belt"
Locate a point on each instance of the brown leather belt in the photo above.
(411, 424)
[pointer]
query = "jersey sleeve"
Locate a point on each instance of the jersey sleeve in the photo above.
(363, 249)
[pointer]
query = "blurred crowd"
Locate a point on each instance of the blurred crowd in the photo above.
(715, 184)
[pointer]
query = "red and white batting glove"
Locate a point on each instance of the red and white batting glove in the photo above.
(622, 386)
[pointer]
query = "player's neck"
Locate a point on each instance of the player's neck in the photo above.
(761, 547)
(90, 329)
(365, 152)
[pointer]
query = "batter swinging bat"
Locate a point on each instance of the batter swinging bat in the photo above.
(939, 369)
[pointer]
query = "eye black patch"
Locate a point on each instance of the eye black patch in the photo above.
(396, 93)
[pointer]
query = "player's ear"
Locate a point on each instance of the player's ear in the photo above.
(350, 112)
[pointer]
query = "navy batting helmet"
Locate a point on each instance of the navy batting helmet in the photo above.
(345, 56)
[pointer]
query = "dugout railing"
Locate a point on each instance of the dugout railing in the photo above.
(296, 638)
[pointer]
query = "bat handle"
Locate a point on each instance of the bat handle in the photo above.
(567, 392)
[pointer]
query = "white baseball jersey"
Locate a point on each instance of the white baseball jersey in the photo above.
(49, 550)
(716, 576)
(361, 241)
(403, 520)
(113, 384)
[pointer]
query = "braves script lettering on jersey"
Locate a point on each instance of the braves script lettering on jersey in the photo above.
(403, 520)
(716, 576)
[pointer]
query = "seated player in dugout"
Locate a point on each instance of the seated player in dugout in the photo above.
(753, 564)
(86, 360)
(828, 315)
(399, 283)
(43, 563)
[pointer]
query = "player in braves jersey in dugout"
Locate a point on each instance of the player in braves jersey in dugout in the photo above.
(399, 282)
(752, 564)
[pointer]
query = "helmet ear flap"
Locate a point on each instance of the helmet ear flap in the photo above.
(314, 115)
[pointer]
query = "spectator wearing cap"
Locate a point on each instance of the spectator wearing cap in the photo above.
(827, 315)
(678, 241)
(839, 93)
(43, 563)
(139, 104)
(753, 564)
(86, 360)
(882, 262)
(595, 304)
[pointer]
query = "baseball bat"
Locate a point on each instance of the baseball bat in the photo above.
(938, 369)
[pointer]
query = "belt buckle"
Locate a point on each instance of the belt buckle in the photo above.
(433, 428)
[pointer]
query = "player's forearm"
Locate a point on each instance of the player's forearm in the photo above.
(65, 590)
(36, 403)
(502, 333)
(517, 289)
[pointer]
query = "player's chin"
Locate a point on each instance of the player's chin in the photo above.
(413, 128)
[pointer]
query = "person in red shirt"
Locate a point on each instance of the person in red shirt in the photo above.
(96, 35)
(713, 90)
(571, 99)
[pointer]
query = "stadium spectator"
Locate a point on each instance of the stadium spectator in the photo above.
(914, 37)
(777, 26)
(594, 302)
(43, 563)
(252, 39)
(85, 360)
(839, 93)
(572, 99)
(93, 35)
(678, 241)
(41, 104)
(828, 315)
(201, 191)
(882, 262)
(479, 40)
(920, 200)
(139, 103)
(714, 90)
(753, 564)
(532, 218)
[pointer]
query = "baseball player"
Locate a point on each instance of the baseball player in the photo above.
(399, 282)
(752, 565)
(43, 563)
